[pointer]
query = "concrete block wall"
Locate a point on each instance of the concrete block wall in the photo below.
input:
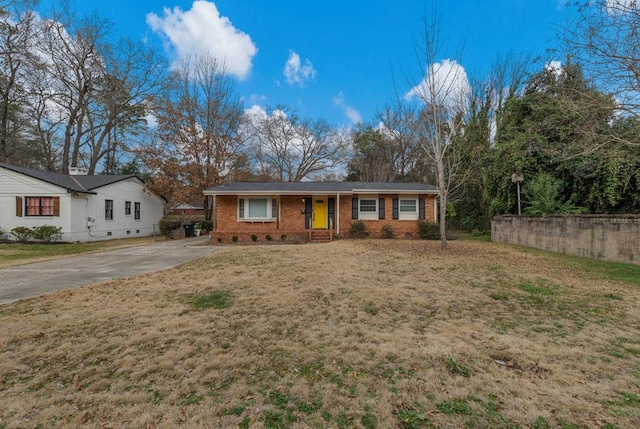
(610, 238)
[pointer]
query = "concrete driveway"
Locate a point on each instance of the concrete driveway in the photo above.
(28, 281)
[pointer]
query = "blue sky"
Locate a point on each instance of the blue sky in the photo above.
(340, 60)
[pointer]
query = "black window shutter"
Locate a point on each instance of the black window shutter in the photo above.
(380, 208)
(395, 209)
(332, 212)
(354, 208)
(308, 212)
(421, 209)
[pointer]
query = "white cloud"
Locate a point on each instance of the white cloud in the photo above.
(446, 83)
(202, 30)
(354, 116)
(554, 67)
(297, 73)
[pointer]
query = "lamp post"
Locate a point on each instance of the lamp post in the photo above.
(518, 178)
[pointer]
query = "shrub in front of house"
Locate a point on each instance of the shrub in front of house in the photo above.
(234, 238)
(358, 229)
(47, 233)
(254, 237)
(207, 224)
(22, 233)
(283, 237)
(387, 231)
(428, 230)
(167, 226)
(268, 237)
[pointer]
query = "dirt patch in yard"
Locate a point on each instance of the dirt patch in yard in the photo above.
(372, 333)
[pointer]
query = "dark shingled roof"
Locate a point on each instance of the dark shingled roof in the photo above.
(294, 188)
(80, 183)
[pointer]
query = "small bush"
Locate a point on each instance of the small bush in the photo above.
(254, 237)
(387, 231)
(207, 224)
(428, 230)
(22, 233)
(358, 230)
(47, 233)
(219, 239)
(234, 238)
(268, 237)
(167, 227)
(283, 237)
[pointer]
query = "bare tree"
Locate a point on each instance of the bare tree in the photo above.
(198, 131)
(87, 92)
(290, 149)
(443, 95)
(400, 131)
(605, 40)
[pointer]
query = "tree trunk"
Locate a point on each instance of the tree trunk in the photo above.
(443, 204)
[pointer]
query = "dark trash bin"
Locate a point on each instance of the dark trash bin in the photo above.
(188, 230)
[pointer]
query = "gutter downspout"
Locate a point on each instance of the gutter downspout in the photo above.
(338, 214)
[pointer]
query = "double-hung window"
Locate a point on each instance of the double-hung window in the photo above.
(127, 208)
(136, 211)
(368, 208)
(257, 209)
(41, 206)
(408, 208)
(108, 209)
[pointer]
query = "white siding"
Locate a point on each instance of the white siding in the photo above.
(133, 190)
(14, 185)
(75, 210)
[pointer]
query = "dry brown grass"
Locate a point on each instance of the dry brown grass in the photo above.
(369, 333)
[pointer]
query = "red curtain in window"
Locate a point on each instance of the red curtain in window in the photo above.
(33, 206)
(47, 206)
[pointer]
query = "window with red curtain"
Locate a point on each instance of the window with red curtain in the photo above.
(41, 206)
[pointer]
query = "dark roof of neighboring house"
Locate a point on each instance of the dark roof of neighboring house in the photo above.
(296, 188)
(73, 183)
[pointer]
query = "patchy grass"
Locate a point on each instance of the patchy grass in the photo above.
(218, 300)
(391, 333)
(13, 253)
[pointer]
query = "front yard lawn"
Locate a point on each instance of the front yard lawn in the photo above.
(349, 334)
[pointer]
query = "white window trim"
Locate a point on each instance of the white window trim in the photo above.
(246, 199)
(368, 215)
(408, 215)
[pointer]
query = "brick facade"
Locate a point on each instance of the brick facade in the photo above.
(291, 221)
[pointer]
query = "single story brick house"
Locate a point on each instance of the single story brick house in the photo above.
(187, 209)
(317, 211)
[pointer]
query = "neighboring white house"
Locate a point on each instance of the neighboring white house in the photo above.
(88, 208)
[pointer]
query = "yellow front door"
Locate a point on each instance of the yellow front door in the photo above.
(320, 213)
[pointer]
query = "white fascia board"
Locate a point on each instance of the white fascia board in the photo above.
(395, 191)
